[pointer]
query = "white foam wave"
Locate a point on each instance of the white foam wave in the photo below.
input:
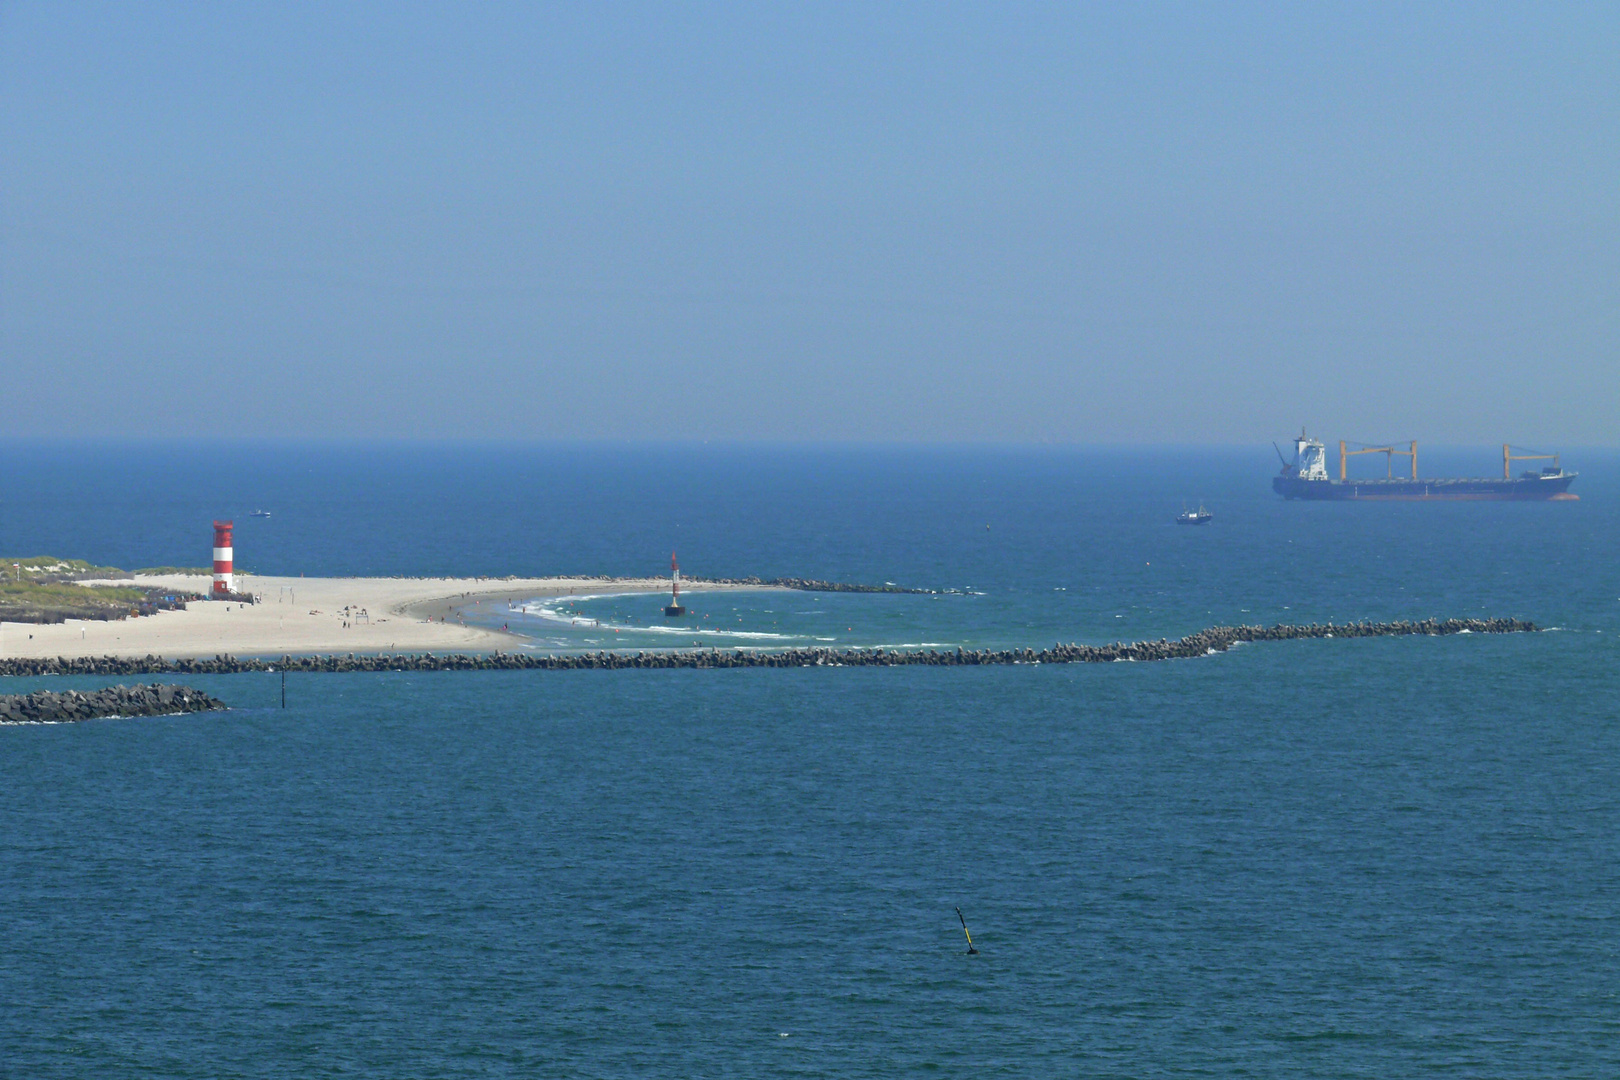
(545, 610)
(688, 631)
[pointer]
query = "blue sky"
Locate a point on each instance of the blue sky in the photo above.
(1160, 223)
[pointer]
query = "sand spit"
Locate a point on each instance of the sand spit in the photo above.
(1217, 639)
(307, 616)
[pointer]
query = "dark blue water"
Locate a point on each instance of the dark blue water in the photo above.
(1326, 858)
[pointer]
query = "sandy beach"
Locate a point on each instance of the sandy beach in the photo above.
(301, 616)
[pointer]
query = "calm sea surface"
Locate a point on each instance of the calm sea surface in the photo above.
(1377, 858)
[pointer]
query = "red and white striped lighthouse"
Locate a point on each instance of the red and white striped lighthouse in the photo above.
(224, 579)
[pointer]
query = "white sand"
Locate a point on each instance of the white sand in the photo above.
(307, 615)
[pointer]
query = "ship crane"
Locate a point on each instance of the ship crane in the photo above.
(1389, 453)
(1509, 457)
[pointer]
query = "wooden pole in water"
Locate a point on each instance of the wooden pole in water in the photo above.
(971, 950)
(283, 688)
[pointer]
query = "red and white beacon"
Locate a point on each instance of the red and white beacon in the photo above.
(224, 579)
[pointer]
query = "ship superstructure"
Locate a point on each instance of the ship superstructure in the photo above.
(1306, 477)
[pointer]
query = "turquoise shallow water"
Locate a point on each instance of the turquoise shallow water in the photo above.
(1325, 858)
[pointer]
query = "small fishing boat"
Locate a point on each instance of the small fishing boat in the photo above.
(260, 513)
(1199, 516)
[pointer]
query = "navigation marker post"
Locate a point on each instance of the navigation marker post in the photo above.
(971, 950)
(674, 610)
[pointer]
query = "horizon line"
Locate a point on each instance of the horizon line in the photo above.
(603, 443)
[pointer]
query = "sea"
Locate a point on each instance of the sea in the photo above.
(1325, 858)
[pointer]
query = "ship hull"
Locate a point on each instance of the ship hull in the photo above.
(1538, 489)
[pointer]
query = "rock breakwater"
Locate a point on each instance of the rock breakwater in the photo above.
(811, 585)
(47, 706)
(1216, 639)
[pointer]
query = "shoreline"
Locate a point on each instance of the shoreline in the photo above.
(312, 617)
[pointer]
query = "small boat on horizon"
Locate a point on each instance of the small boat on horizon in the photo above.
(260, 513)
(1199, 516)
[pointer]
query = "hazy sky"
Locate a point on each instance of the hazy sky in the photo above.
(1073, 222)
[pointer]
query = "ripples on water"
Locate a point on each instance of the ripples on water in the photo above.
(1371, 858)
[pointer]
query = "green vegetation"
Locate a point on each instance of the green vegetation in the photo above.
(46, 589)
(36, 602)
(51, 568)
(194, 571)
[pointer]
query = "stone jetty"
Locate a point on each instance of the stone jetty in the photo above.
(1216, 639)
(46, 706)
(812, 585)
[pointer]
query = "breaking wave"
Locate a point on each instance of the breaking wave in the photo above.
(551, 611)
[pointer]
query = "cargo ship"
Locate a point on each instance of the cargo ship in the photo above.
(1306, 477)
